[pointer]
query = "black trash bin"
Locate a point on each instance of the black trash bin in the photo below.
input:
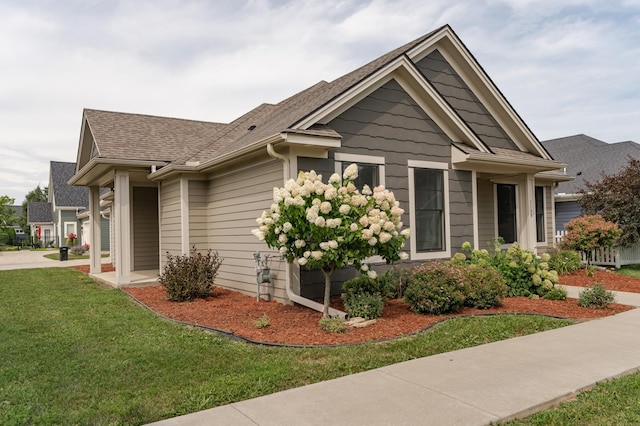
(64, 253)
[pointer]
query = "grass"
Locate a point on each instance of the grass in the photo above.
(632, 271)
(56, 256)
(616, 402)
(75, 352)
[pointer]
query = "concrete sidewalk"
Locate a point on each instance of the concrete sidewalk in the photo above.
(474, 386)
(28, 259)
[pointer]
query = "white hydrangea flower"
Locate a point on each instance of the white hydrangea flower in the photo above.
(335, 178)
(385, 237)
(300, 243)
(283, 250)
(372, 241)
(282, 239)
(316, 255)
(404, 255)
(353, 227)
(406, 232)
(333, 244)
(351, 172)
(324, 245)
(366, 190)
(302, 261)
(372, 274)
(364, 267)
(258, 234)
(345, 209)
(320, 222)
(325, 207)
(330, 193)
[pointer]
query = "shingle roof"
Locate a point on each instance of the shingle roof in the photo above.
(39, 212)
(587, 158)
(145, 137)
(65, 195)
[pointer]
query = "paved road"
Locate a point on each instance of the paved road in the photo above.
(28, 259)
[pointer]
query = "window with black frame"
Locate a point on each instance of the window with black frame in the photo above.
(507, 224)
(429, 210)
(540, 226)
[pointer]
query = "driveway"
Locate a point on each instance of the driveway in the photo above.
(27, 259)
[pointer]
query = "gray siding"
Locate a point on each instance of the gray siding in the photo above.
(236, 200)
(145, 228)
(461, 204)
(566, 211)
(104, 234)
(198, 214)
(170, 219)
(441, 74)
(486, 214)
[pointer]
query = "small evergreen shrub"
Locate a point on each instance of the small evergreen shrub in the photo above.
(333, 324)
(596, 296)
(435, 288)
(565, 261)
(365, 305)
(557, 293)
(190, 276)
(78, 250)
(362, 284)
(484, 287)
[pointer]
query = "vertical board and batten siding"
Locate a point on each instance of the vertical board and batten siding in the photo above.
(145, 228)
(170, 220)
(486, 214)
(236, 199)
(389, 123)
(198, 214)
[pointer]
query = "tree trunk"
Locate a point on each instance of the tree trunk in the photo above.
(327, 291)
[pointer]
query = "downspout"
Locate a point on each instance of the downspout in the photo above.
(288, 267)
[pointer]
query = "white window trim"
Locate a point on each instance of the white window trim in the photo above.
(75, 230)
(495, 211)
(341, 157)
(544, 214)
(415, 255)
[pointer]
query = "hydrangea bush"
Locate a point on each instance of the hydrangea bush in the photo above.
(333, 225)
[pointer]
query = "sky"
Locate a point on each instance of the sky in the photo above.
(566, 66)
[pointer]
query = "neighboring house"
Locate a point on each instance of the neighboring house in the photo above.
(40, 220)
(587, 159)
(424, 120)
(69, 206)
(20, 235)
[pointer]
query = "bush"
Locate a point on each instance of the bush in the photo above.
(362, 284)
(596, 296)
(333, 324)
(262, 322)
(77, 250)
(565, 261)
(435, 288)
(525, 273)
(365, 305)
(394, 281)
(190, 276)
(557, 293)
(484, 287)
(589, 232)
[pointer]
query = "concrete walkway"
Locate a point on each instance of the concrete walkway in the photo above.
(28, 259)
(474, 386)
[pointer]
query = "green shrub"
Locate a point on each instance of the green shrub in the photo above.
(596, 296)
(435, 288)
(333, 324)
(557, 293)
(190, 276)
(565, 261)
(365, 305)
(77, 250)
(394, 281)
(362, 284)
(484, 287)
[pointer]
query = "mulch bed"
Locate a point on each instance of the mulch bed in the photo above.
(236, 313)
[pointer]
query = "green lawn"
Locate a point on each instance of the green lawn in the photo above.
(632, 271)
(75, 352)
(56, 256)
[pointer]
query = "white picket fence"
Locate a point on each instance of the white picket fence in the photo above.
(612, 256)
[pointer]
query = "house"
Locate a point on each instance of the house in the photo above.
(69, 206)
(587, 159)
(40, 220)
(425, 120)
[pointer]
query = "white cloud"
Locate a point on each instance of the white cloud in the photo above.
(567, 67)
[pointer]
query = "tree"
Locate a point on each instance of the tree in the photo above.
(7, 217)
(617, 198)
(331, 226)
(33, 196)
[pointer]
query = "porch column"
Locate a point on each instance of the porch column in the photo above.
(528, 213)
(184, 214)
(122, 215)
(94, 229)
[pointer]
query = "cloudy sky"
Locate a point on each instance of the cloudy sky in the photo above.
(567, 66)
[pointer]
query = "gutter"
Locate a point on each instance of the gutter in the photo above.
(289, 267)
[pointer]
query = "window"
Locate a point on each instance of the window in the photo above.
(540, 225)
(507, 225)
(370, 168)
(429, 206)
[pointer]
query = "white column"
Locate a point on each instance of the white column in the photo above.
(122, 215)
(528, 213)
(94, 230)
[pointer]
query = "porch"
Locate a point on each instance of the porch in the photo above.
(142, 278)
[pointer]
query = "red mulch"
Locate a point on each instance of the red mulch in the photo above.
(236, 313)
(609, 279)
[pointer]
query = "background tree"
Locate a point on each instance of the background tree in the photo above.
(617, 198)
(7, 217)
(331, 226)
(36, 195)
